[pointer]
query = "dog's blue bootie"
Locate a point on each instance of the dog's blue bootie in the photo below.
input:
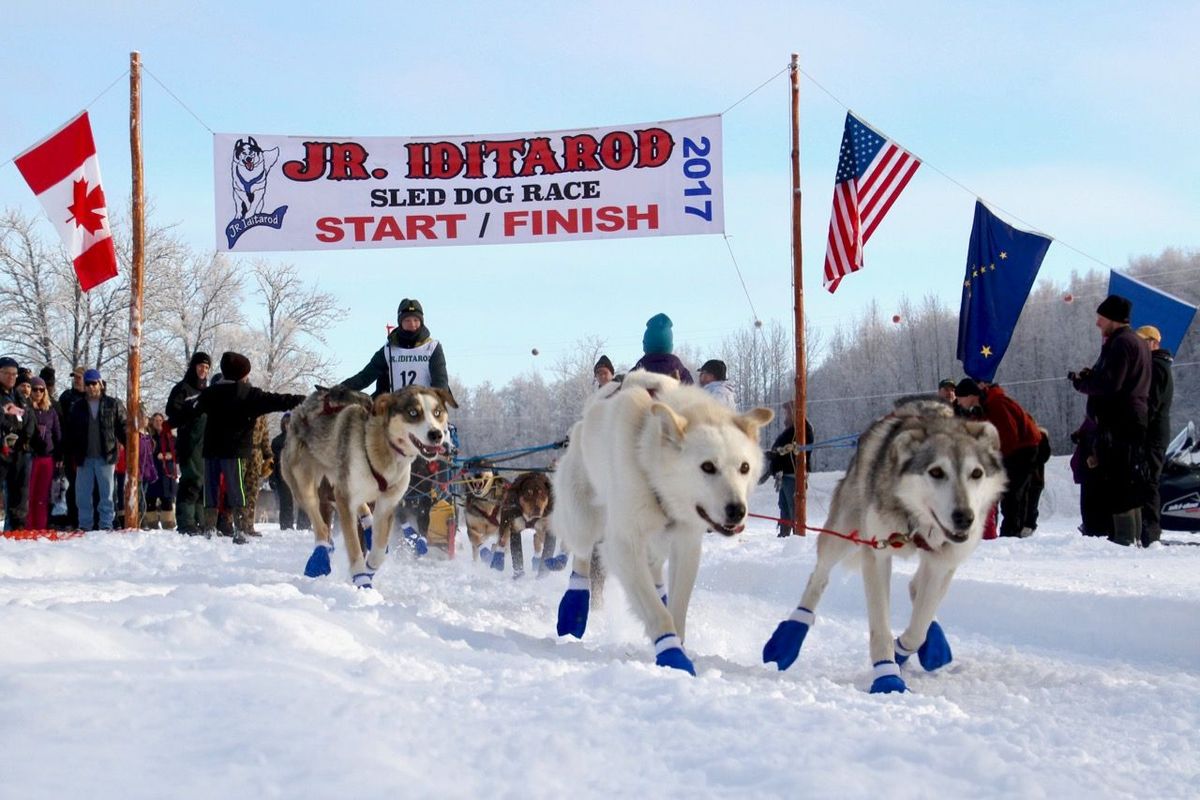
(935, 653)
(668, 652)
(363, 580)
(662, 592)
(318, 562)
(416, 541)
(887, 678)
(498, 559)
(555, 563)
(902, 653)
(783, 647)
(573, 608)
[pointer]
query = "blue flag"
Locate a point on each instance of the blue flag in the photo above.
(1151, 306)
(1002, 263)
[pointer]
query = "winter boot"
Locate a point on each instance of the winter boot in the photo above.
(224, 523)
(245, 518)
(208, 527)
(1127, 528)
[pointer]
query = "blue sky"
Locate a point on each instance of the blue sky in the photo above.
(1075, 117)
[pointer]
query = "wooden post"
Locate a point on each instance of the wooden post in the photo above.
(800, 405)
(134, 372)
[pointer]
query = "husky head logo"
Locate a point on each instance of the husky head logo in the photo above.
(249, 172)
(950, 476)
(708, 460)
(415, 419)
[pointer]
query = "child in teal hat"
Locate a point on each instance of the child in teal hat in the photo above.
(657, 343)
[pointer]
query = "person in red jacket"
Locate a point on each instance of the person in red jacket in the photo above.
(1019, 440)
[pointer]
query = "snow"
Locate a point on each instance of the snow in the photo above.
(154, 665)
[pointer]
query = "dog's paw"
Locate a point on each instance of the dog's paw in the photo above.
(363, 580)
(420, 545)
(669, 653)
(318, 562)
(887, 679)
(573, 608)
(935, 653)
(555, 563)
(783, 648)
(497, 562)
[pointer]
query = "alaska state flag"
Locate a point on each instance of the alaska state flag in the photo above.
(1002, 263)
(1151, 306)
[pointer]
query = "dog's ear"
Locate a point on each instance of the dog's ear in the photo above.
(905, 445)
(673, 426)
(238, 145)
(752, 420)
(253, 143)
(984, 432)
(381, 404)
(446, 397)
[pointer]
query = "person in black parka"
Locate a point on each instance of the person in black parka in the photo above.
(1158, 429)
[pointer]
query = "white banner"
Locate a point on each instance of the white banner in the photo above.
(310, 193)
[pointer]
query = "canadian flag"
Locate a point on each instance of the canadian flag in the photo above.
(64, 173)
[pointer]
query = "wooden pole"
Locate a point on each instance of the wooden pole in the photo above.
(134, 373)
(800, 405)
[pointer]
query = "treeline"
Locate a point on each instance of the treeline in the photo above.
(859, 368)
(193, 300)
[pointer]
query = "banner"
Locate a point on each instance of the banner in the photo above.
(335, 193)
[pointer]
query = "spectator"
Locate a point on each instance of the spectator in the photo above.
(1118, 391)
(17, 427)
(94, 428)
(1037, 481)
(65, 401)
(603, 371)
(1158, 429)
(160, 494)
(188, 423)
(45, 449)
(411, 356)
(945, 390)
(781, 462)
(657, 343)
(1093, 507)
(713, 380)
(147, 471)
(24, 385)
(1020, 438)
(232, 405)
(288, 518)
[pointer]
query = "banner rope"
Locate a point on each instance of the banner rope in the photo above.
(175, 97)
(93, 102)
(756, 89)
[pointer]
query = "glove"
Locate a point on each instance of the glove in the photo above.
(669, 653)
(783, 647)
(573, 608)
(887, 679)
(935, 653)
(318, 562)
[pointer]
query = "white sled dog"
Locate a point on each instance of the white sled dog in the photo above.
(365, 450)
(931, 477)
(650, 467)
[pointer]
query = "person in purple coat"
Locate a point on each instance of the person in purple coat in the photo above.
(44, 446)
(657, 343)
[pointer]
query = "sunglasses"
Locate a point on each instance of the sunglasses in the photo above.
(38, 389)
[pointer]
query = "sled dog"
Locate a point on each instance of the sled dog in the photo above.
(527, 504)
(250, 167)
(932, 479)
(483, 490)
(651, 466)
(365, 450)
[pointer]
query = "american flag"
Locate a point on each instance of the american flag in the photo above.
(871, 173)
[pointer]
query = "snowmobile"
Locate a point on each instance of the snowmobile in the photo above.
(1179, 487)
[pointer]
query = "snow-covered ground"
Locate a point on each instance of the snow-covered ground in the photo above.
(155, 665)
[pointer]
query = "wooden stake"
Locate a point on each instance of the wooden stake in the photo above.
(134, 373)
(800, 405)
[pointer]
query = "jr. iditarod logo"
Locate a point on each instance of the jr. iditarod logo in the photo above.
(251, 167)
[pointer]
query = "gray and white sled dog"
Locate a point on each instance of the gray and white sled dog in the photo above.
(651, 466)
(365, 449)
(931, 477)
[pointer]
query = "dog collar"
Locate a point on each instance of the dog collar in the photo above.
(920, 542)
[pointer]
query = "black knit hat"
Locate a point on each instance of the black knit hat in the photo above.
(603, 362)
(47, 375)
(234, 366)
(715, 368)
(947, 383)
(967, 388)
(8, 361)
(1116, 308)
(199, 357)
(410, 306)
